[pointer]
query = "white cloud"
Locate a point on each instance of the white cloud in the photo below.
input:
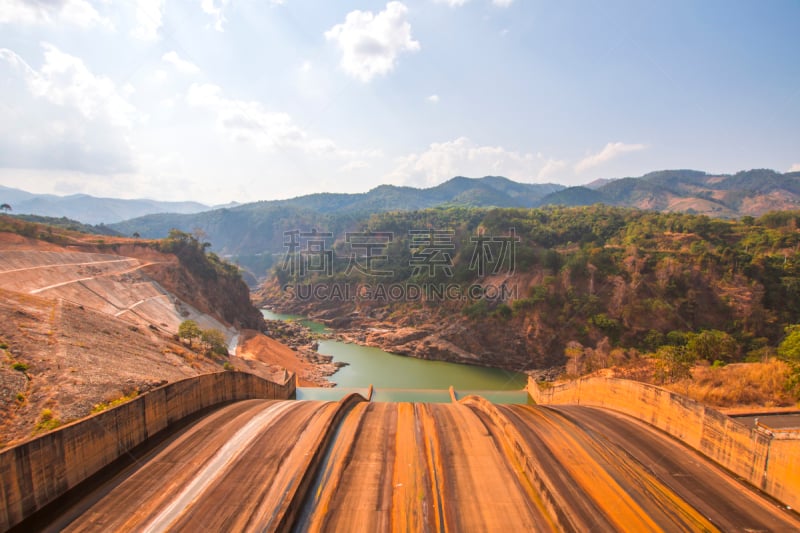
(353, 165)
(215, 8)
(459, 3)
(65, 80)
(64, 116)
(371, 43)
(74, 12)
(609, 152)
(794, 168)
(182, 65)
(148, 19)
(245, 121)
(434, 99)
(442, 161)
(552, 168)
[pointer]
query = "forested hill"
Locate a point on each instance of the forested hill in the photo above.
(752, 192)
(258, 227)
(596, 282)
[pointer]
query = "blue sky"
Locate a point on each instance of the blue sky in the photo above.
(221, 100)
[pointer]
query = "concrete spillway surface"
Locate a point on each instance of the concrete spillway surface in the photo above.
(356, 466)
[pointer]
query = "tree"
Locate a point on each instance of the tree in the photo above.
(189, 330)
(673, 363)
(136, 235)
(789, 348)
(214, 340)
(713, 345)
(5, 208)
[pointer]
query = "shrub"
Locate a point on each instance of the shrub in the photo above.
(713, 345)
(47, 421)
(21, 367)
(789, 348)
(503, 311)
(214, 340)
(673, 363)
(477, 310)
(102, 406)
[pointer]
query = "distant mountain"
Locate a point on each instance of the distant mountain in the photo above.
(69, 224)
(490, 191)
(596, 184)
(254, 233)
(573, 196)
(752, 192)
(90, 209)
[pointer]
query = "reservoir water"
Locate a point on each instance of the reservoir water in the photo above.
(400, 378)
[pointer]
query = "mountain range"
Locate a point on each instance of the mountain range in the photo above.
(257, 228)
(90, 209)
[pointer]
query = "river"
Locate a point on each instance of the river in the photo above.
(400, 378)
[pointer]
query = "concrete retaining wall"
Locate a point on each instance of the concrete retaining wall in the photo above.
(770, 461)
(35, 473)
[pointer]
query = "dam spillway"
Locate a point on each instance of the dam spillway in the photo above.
(353, 465)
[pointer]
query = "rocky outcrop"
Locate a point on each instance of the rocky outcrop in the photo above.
(494, 343)
(225, 298)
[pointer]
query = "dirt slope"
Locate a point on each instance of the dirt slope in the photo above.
(80, 326)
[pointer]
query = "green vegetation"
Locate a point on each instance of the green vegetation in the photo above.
(192, 253)
(47, 421)
(213, 340)
(189, 330)
(789, 352)
(20, 367)
(102, 406)
(789, 348)
(673, 363)
(623, 284)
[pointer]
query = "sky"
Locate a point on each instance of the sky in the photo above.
(243, 100)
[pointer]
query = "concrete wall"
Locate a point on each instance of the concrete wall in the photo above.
(35, 473)
(769, 460)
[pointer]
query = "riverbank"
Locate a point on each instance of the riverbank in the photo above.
(362, 366)
(292, 347)
(437, 333)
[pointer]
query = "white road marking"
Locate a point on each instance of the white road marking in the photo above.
(69, 264)
(104, 274)
(130, 307)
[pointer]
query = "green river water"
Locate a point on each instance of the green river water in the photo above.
(400, 378)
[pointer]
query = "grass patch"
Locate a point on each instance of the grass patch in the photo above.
(739, 384)
(47, 421)
(102, 406)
